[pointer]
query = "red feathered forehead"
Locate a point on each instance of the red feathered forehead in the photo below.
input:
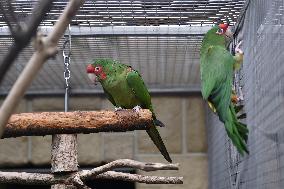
(224, 26)
(90, 68)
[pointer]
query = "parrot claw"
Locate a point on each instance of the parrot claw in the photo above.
(237, 49)
(137, 108)
(118, 109)
(241, 97)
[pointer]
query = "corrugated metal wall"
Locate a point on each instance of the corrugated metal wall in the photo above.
(165, 51)
(262, 78)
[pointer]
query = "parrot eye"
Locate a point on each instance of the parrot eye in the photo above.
(220, 31)
(98, 70)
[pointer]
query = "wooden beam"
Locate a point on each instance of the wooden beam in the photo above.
(47, 123)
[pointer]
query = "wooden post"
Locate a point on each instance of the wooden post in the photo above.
(63, 156)
(64, 147)
(64, 153)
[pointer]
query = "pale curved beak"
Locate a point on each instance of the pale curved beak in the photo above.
(93, 78)
(229, 33)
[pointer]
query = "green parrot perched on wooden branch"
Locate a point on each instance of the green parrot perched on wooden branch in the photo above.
(217, 65)
(125, 88)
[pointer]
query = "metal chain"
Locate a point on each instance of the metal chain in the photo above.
(67, 74)
(66, 58)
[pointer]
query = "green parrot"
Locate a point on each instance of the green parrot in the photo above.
(124, 88)
(217, 65)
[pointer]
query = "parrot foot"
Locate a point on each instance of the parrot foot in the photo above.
(237, 49)
(118, 109)
(237, 98)
(234, 99)
(241, 96)
(137, 108)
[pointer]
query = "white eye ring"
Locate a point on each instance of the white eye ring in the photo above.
(97, 68)
(220, 30)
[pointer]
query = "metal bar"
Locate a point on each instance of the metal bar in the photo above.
(240, 21)
(188, 90)
(77, 31)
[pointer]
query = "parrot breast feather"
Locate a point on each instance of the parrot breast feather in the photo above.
(216, 68)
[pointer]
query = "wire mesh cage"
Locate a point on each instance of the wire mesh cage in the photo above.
(161, 39)
(262, 81)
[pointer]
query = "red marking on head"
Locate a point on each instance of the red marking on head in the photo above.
(103, 75)
(224, 27)
(90, 69)
(97, 70)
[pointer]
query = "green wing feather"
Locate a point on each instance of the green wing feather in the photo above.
(216, 78)
(109, 97)
(220, 63)
(140, 90)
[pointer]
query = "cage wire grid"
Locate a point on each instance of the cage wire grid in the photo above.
(262, 79)
(161, 39)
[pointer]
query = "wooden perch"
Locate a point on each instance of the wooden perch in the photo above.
(102, 172)
(46, 123)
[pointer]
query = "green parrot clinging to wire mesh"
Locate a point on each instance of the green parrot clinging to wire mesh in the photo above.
(124, 88)
(217, 65)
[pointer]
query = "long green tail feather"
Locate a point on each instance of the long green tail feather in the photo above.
(237, 131)
(159, 123)
(242, 128)
(156, 138)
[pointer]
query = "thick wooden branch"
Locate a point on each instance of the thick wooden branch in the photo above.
(28, 178)
(79, 183)
(9, 16)
(46, 48)
(49, 179)
(140, 178)
(47, 123)
(124, 163)
(22, 33)
(78, 178)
